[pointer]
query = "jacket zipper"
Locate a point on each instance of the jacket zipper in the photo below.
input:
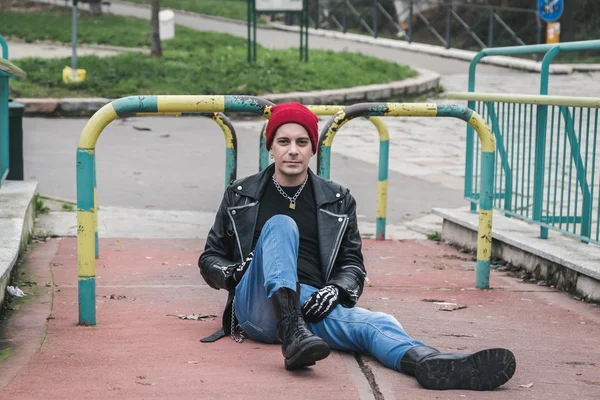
(338, 241)
(237, 237)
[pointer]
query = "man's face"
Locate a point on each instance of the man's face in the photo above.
(291, 150)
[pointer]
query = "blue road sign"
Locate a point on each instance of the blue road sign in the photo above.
(550, 10)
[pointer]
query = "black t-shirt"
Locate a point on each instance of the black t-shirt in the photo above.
(305, 215)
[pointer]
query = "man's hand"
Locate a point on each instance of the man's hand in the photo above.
(240, 269)
(320, 303)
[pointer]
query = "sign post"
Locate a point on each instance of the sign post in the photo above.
(256, 7)
(550, 11)
(553, 32)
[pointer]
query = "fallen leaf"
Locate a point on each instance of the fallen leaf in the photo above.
(452, 307)
(196, 317)
(527, 386)
(145, 383)
(115, 297)
(458, 334)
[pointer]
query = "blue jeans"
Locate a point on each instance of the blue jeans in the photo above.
(348, 329)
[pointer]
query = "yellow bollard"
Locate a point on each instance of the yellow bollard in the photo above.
(70, 75)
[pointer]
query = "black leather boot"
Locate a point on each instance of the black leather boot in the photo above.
(484, 370)
(300, 347)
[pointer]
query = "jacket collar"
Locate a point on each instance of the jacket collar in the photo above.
(326, 191)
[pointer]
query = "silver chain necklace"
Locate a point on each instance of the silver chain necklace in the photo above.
(284, 194)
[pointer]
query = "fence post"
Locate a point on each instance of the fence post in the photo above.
(540, 143)
(448, 23)
(491, 29)
(345, 27)
(410, 21)
(375, 18)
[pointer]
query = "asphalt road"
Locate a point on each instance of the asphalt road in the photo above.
(175, 163)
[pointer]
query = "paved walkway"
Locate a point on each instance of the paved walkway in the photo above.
(141, 349)
(18, 50)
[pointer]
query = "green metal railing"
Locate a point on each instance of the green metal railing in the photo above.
(7, 70)
(551, 51)
(549, 177)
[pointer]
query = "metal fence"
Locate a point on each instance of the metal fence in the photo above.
(466, 25)
(544, 124)
(548, 163)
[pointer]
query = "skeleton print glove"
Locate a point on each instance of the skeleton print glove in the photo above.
(320, 303)
(240, 269)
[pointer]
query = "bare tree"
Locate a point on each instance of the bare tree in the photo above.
(155, 30)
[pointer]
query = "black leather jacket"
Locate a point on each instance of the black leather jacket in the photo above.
(230, 238)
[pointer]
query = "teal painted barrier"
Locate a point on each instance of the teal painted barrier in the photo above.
(551, 51)
(561, 164)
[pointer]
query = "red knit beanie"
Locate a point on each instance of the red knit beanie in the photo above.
(293, 113)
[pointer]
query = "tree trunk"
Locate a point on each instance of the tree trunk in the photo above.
(155, 30)
(95, 7)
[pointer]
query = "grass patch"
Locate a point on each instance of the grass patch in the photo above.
(234, 9)
(67, 207)
(435, 236)
(53, 23)
(194, 62)
(40, 206)
(205, 72)
(6, 353)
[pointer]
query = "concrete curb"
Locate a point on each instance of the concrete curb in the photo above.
(425, 83)
(17, 216)
(458, 54)
(561, 261)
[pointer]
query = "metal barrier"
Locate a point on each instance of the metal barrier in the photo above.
(484, 235)
(555, 184)
(230, 151)
(384, 150)
(551, 51)
(87, 208)
(7, 70)
(374, 18)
